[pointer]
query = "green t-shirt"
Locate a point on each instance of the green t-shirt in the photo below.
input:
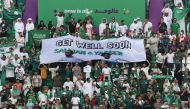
(69, 94)
(129, 103)
(136, 85)
(15, 93)
(63, 33)
(177, 101)
(169, 99)
(117, 72)
(112, 100)
(59, 92)
(78, 93)
(109, 84)
(175, 28)
(67, 73)
(123, 94)
(119, 86)
(31, 95)
(156, 87)
(178, 56)
(82, 32)
(143, 85)
(97, 72)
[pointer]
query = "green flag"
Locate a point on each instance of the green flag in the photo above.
(36, 36)
(179, 13)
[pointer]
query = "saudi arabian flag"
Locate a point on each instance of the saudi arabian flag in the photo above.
(36, 36)
(179, 13)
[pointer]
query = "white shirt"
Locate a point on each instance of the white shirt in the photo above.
(123, 29)
(7, 4)
(134, 26)
(79, 84)
(16, 62)
(145, 70)
(53, 71)
(114, 26)
(54, 98)
(172, 37)
(167, 20)
(87, 70)
(24, 54)
(60, 20)
(29, 26)
(102, 26)
(176, 2)
(13, 100)
(147, 26)
(20, 40)
(166, 86)
(19, 27)
(127, 86)
(160, 58)
(3, 63)
(75, 100)
(88, 89)
(153, 41)
(170, 57)
(167, 10)
(10, 73)
(17, 50)
(89, 29)
(42, 97)
(176, 88)
(106, 71)
(69, 84)
(165, 106)
(182, 37)
(19, 73)
(139, 25)
(27, 82)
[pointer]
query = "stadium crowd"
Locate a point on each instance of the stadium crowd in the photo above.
(160, 82)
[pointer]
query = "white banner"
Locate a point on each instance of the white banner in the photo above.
(75, 49)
